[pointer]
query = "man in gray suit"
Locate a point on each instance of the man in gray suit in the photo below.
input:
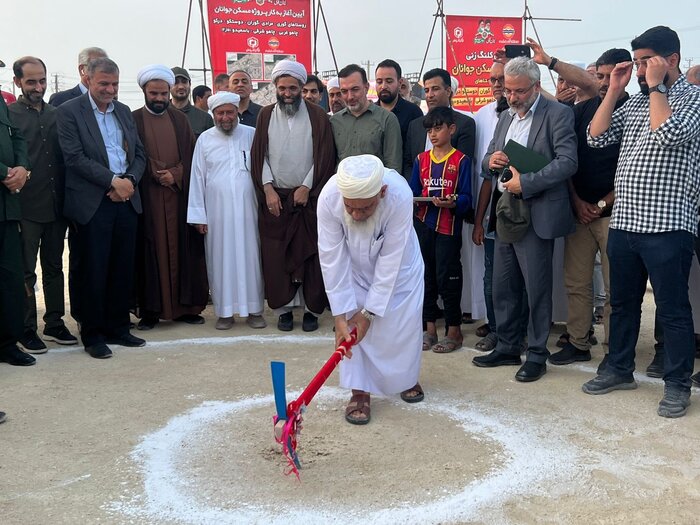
(104, 162)
(546, 127)
(87, 54)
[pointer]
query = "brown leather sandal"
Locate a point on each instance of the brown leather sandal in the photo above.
(358, 403)
(416, 398)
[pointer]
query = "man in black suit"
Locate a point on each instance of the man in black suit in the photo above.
(438, 93)
(87, 54)
(104, 163)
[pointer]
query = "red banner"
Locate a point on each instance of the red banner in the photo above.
(253, 35)
(471, 42)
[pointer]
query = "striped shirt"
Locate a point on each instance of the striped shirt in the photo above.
(657, 182)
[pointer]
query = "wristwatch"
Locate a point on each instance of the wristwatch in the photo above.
(367, 314)
(661, 88)
(602, 204)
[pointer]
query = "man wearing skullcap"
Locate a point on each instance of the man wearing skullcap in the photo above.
(363, 127)
(373, 272)
(335, 99)
(222, 207)
(293, 158)
(198, 118)
(171, 280)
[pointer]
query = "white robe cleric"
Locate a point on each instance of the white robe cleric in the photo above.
(381, 271)
(222, 196)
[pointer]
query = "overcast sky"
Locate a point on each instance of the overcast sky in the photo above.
(140, 32)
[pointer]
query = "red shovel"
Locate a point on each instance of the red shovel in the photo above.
(287, 421)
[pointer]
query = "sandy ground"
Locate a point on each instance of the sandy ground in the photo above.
(180, 431)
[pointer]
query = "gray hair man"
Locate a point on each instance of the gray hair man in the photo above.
(532, 214)
(84, 58)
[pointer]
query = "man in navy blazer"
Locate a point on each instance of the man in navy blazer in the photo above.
(546, 127)
(104, 162)
(87, 54)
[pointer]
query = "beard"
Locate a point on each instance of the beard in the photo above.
(158, 107)
(366, 228)
(524, 106)
(387, 96)
(644, 87)
(290, 108)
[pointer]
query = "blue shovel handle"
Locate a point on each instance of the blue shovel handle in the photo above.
(279, 387)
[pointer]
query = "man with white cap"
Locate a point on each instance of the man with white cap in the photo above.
(373, 271)
(293, 157)
(223, 208)
(170, 267)
(335, 99)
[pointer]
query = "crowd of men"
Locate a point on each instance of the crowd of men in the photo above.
(371, 210)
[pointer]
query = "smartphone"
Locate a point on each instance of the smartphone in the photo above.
(514, 51)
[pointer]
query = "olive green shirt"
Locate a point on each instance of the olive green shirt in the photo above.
(199, 120)
(375, 132)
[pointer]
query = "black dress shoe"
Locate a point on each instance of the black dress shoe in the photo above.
(190, 319)
(147, 323)
(99, 351)
(285, 323)
(310, 322)
(15, 357)
(127, 340)
(530, 371)
(656, 367)
(569, 354)
(496, 359)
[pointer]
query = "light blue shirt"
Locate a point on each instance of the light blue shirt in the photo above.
(519, 129)
(112, 136)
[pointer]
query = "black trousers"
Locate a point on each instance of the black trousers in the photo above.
(45, 239)
(101, 284)
(443, 274)
(11, 285)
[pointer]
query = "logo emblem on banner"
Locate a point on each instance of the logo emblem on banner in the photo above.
(458, 32)
(253, 42)
(260, 2)
(273, 42)
(508, 31)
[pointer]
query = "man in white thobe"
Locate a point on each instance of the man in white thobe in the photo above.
(223, 207)
(373, 273)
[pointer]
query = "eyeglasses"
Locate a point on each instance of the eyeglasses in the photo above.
(642, 62)
(497, 80)
(518, 92)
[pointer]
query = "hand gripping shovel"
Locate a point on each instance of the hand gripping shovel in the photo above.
(287, 421)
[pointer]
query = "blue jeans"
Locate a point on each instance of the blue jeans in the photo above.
(665, 258)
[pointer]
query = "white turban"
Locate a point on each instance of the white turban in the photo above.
(454, 84)
(291, 68)
(333, 83)
(360, 177)
(221, 98)
(155, 72)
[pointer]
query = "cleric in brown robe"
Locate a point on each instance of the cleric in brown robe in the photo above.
(171, 272)
(293, 156)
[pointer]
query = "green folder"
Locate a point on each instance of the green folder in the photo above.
(524, 159)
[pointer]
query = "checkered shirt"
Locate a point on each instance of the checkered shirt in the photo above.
(657, 182)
